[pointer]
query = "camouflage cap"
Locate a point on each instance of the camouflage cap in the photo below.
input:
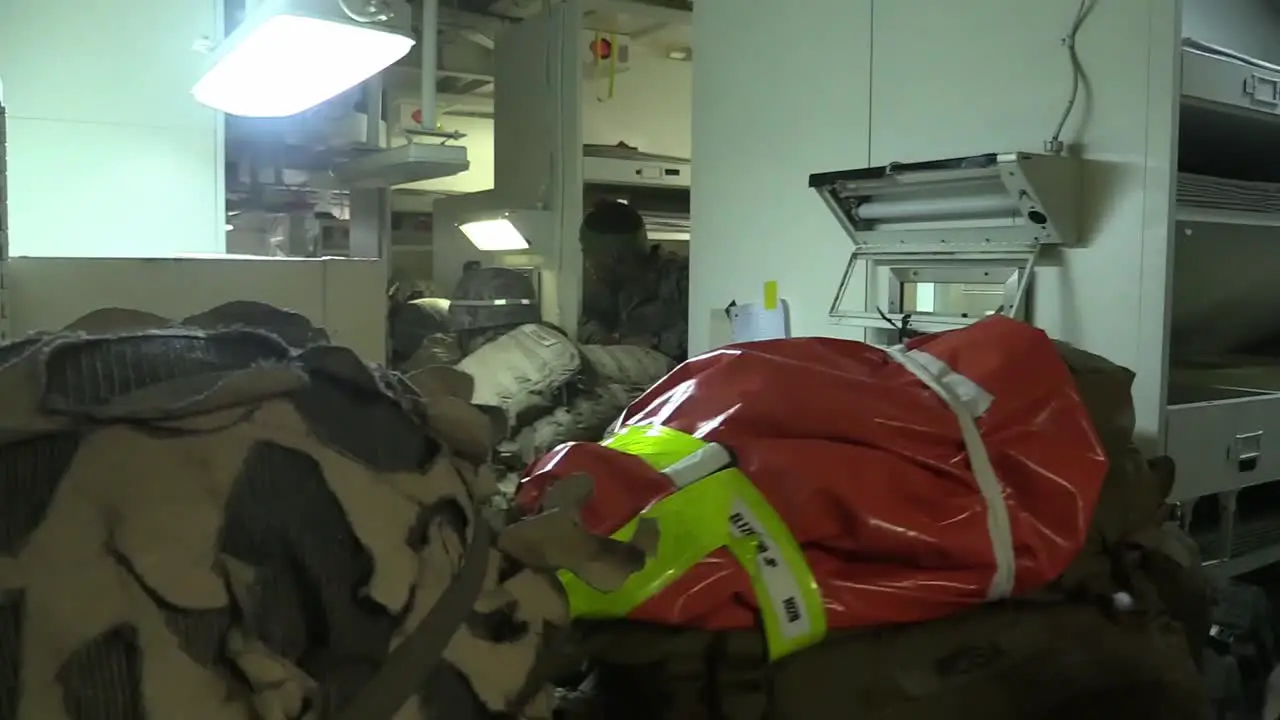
(493, 297)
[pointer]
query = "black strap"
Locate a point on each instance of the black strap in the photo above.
(547, 665)
(411, 663)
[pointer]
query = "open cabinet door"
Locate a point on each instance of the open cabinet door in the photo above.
(538, 142)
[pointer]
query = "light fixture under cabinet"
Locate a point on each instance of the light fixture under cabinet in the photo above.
(509, 231)
(494, 235)
(288, 56)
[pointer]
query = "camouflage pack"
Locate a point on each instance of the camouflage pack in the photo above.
(211, 522)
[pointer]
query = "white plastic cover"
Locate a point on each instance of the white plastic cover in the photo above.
(521, 369)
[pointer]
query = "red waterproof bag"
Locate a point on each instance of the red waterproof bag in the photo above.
(861, 451)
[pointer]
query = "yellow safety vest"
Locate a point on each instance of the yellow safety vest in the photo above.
(715, 506)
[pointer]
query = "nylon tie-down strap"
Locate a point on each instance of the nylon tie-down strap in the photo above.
(412, 662)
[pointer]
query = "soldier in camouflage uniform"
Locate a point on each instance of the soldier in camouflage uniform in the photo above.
(631, 294)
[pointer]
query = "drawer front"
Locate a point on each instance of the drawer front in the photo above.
(1223, 446)
(1257, 441)
(1224, 81)
(1197, 437)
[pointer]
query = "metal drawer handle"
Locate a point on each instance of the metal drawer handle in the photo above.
(1247, 450)
(1263, 89)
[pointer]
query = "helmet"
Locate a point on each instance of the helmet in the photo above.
(494, 297)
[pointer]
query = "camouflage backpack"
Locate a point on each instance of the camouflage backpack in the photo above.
(200, 520)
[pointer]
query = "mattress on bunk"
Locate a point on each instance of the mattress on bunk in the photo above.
(1226, 298)
(1214, 193)
(1214, 379)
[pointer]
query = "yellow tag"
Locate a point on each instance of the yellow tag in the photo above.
(771, 295)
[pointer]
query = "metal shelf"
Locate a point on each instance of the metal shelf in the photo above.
(1205, 199)
(1219, 78)
(1211, 216)
(1256, 545)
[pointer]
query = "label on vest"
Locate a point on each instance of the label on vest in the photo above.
(543, 336)
(784, 600)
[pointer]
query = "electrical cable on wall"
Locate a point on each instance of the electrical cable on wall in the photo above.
(1054, 144)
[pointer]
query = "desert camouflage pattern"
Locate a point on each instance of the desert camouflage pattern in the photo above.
(201, 519)
(633, 293)
(655, 309)
(642, 301)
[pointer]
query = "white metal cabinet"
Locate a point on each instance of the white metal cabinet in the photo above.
(1254, 454)
(1223, 443)
(1197, 436)
(1222, 81)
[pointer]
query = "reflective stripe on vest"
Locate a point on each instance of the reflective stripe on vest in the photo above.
(715, 506)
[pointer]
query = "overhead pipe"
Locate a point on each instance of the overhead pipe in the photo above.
(428, 45)
(374, 103)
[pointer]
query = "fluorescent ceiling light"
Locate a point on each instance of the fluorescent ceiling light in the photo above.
(494, 235)
(291, 55)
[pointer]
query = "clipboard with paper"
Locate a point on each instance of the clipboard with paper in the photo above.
(767, 320)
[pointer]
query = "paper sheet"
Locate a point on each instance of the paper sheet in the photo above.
(757, 321)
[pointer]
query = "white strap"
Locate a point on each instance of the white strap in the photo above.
(969, 393)
(940, 378)
(703, 462)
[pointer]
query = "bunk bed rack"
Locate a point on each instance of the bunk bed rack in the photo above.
(657, 186)
(1223, 415)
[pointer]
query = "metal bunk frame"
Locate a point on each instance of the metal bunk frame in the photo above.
(1224, 432)
(617, 168)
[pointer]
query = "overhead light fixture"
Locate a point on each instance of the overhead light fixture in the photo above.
(500, 235)
(288, 56)
(510, 231)
(980, 220)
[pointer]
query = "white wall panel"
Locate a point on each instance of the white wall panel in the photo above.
(938, 93)
(650, 109)
(81, 189)
(769, 108)
(109, 152)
